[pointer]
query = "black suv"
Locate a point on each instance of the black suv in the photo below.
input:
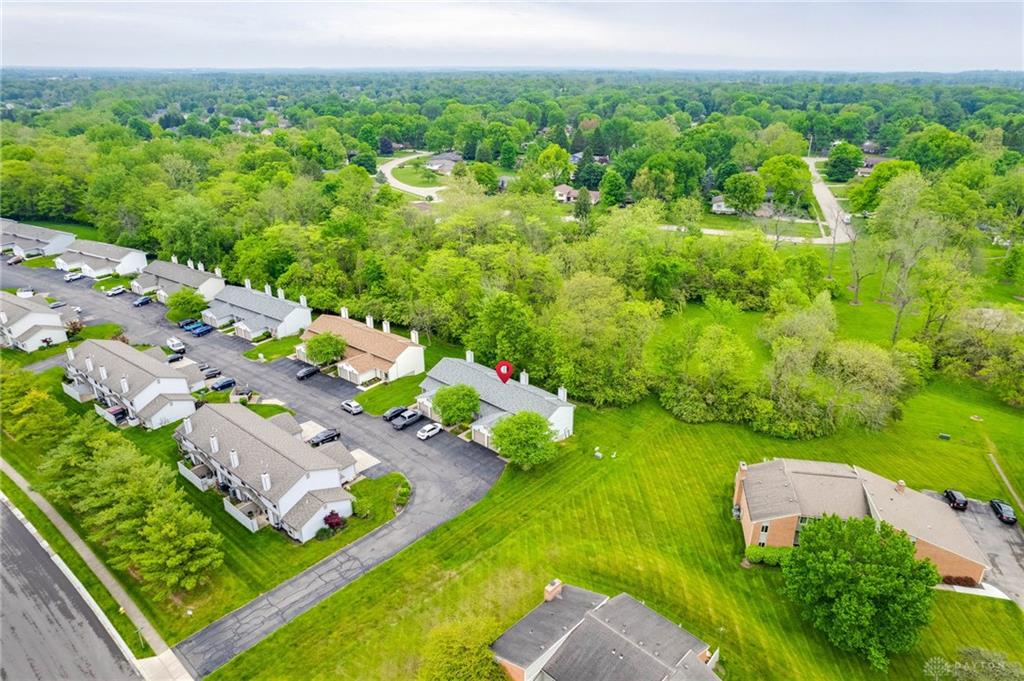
(956, 500)
(393, 413)
(1003, 511)
(406, 418)
(306, 372)
(324, 436)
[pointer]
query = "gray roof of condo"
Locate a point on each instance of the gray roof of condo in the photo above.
(262, 447)
(121, 360)
(312, 502)
(15, 308)
(13, 228)
(510, 397)
(244, 303)
(169, 275)
(96, 250)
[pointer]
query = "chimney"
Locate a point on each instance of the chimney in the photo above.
(3, 317)
(124, 384)
(216, 273)
(233, 455)
(385, 326)
(344, 312)
(265, 481)
(71, 353)
(188, 425)
(248, 283)
(741, 474)
(174, 259)
(552, 590)
(524, 378)
(103, 373)
(214, 445)
(302, 300)
(200, 266)
(469, 356)
(280, 293)
(901, 486)
(267, 289)
(563, 394)
(191, 265)
(369, 320)
(414, 336)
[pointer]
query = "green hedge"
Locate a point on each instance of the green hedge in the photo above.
(768, 555)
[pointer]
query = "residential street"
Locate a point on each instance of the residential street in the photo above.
(434, 193)
(49, 631)
(447, 475)
(833, 212)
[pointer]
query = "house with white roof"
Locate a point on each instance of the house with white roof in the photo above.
(162, 278)
(254, 313)
(28, 323)
(129, 385)
(370, 353)
(271, 477)
(96, 259)
(497, 399)
(28, 241)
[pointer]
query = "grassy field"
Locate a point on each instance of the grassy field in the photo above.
(380, 398)
(654, 522)
(40, 262)
(273, 349)
(79, 230)
(108, 283)
(77, 565)
(415, 174)
(20, 358)
(737, 223)
(242, 577)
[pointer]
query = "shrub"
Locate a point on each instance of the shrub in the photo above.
(957, 580)
(402, 494)
(324, 533)
(773, 556)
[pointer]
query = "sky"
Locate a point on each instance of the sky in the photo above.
(819, 36)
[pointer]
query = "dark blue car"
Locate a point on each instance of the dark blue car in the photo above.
(202, 330)
(141, 300)
(223, 384)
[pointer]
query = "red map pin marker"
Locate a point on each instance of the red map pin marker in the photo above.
(504, 370)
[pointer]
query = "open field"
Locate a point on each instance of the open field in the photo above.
(416, 175)
(767, 225)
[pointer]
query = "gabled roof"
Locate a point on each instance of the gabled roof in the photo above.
(361, 339)
(171, 276)
(249, 304)
(96, 251)
(311, 503)
(120, 360)
(28, 236)
(533, 635)
(15, 308)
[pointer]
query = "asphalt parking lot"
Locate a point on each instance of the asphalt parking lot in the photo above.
(1003, 544)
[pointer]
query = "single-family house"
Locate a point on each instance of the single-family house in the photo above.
(776, 498)
(870, 161)
(269, 474)
(581, 635)
(720, 207)
(28, 240)
(371, 354)
(566, 194)
(497, 399)
(96, 259)
(254, 313)
(163, 278)
(28, 323)
(444, 163)
(871, 147)
(129, 385)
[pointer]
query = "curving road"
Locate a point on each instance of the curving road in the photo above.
(431, 193)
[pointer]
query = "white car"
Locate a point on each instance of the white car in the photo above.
(175, 344)
(116, 291)
(73, 276)
(352, 407)
(428, 431)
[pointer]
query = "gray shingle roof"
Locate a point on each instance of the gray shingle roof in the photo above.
(171, 276)
(311, 503)
(495, 396)
(15, 308)
(262, 447)
(534, 634)
(251, 306)
(27, 236)
(120, 360)
(97, 251)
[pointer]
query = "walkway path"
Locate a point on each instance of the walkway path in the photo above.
(431, 193)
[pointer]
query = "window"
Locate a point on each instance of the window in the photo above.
(799, 526)
(764, 535)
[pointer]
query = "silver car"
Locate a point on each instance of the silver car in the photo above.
(352, 407)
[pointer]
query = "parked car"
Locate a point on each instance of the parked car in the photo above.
(212, 372)
(244, 392)
(956, 500)
(174, 357)
(77, 310)
(57, 303)
(307, 371)
(324, 436)
(407, 417)
(1003, 511)
(393, 413)
(201, 330)
(186, 322)
(223, 384)
(73, 276)
(116, 291)
(15, 260)
(428, 431)
(26, 292)
(176, 345)
(141, 300)
(203, 366)
(352, 407)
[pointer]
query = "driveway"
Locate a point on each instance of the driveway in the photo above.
(1004, 546)
(447, 475)
(432, 193)
(48, 630)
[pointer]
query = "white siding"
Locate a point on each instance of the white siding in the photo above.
(297, 320)
(409, 363)
(174, 411)
(309, 530)
(134, 262)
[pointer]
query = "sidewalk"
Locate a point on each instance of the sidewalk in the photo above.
(165, 666)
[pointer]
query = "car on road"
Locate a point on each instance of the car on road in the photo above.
(407, 418)
(203, 366)
(176, 345)
(15, 260)
(324, 436)
(57, 303)
(174, 357)
(352, 407)
(223, 384)
(193, 325)
(957, 501)
(428, 431)
(116, 291)
(212, 372)
(77, 309)
(186, 322)
(141, 300)
(73, 276)
(306, 371)
(1003, 511)
(393, 413)
(201, 330)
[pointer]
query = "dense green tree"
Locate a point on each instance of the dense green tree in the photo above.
(185, 303)
(525, 439)
(843, 162)
(864, 197)
(789, 178)
(745, 192)
(508, 155)
(458, 651)
(613, 189)
(504, 330)
(180, 549)
(456, 404)
(325, 348)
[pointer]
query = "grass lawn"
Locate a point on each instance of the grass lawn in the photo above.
(380, 398)
(67, 553)
(737, 223)
(40, 262)
(112, 281)
(79, 230)
(243, 576)
(654, 522)
(20, 358)
(416, 175)
(273, 349)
